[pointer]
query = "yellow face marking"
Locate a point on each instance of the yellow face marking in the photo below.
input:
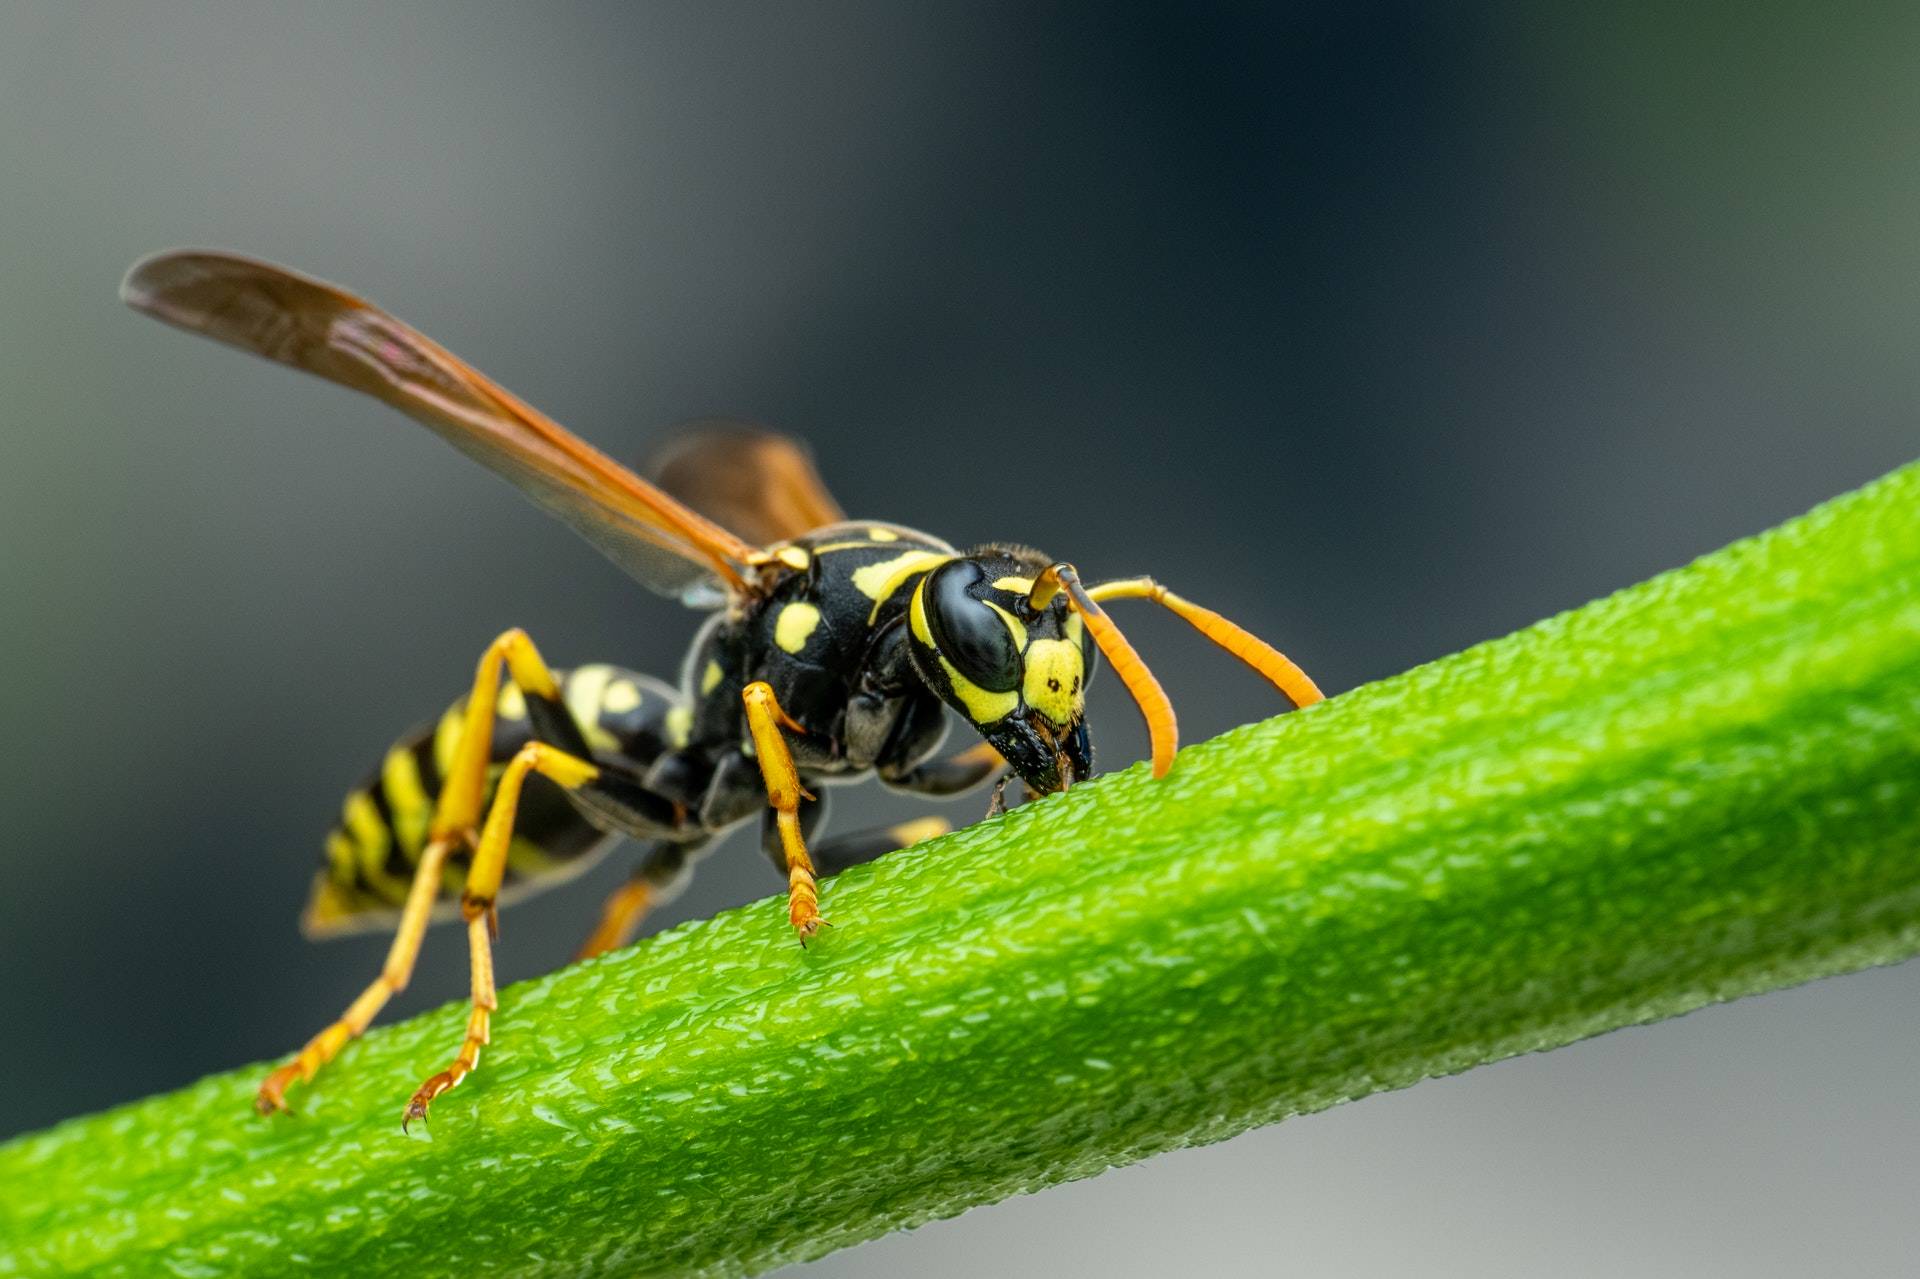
(711, 677)
(622, 695)
(407, 799)
(512, 703)
(982, 705)
(679, 725)
(1014, 628)
(794, 557)
(1075, 629)
(880, 534)
(1015, 585)
(795, 625)
(878, 581)
(1055, 683)
(586, 686)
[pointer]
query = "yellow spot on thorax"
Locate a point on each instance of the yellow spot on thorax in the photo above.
(622, 695)
(795, 625)
(1055, 683)
(882, 534)
(710, 677)
(879, 580)
(584, 694)
(679, 726)
(794, 557)
(585, 684)
(512, 703)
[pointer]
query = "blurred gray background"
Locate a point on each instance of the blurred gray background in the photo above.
(1386, 329)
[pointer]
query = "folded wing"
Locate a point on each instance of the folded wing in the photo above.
(757, 482)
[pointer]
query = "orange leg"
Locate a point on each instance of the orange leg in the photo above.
(393, 978)
(765, 719)
(477, 905)
(455, 815)
(619, 919)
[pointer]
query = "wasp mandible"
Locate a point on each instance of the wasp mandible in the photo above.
(833, 651)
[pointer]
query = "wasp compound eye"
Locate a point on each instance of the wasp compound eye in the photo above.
(982, 641)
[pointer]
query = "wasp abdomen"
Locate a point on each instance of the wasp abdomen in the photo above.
(371, 852)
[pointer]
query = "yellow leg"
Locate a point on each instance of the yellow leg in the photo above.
(1243, 644)
(619, 919)
(458, 810)
(455, 816)
(765, 719)
(393, 978)
(919, 829)
(477, 904)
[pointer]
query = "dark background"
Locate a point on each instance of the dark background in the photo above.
(1384, 329)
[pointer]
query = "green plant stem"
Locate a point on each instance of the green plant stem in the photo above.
(1702, 787)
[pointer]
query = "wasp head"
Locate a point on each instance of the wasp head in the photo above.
(1018, 673)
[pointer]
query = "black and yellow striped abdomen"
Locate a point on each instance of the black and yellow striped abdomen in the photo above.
(371, 853)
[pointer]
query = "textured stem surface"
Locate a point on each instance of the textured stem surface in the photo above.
(1701, 787)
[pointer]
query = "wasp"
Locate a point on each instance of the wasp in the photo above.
(833, 651)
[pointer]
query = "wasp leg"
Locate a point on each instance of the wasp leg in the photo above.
(1269, 661)
(455, 815)
(951, 775)
(765, 720)
(477, 904)
(860, 847)
(661, 873)
(393, 978)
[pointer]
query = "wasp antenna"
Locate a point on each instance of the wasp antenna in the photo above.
(1163, 728)
(1270, 662)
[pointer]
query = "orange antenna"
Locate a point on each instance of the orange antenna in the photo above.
(1243, 644)
(1163, 729)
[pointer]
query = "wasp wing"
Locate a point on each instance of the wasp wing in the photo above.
(757, 482)
(313, 326)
